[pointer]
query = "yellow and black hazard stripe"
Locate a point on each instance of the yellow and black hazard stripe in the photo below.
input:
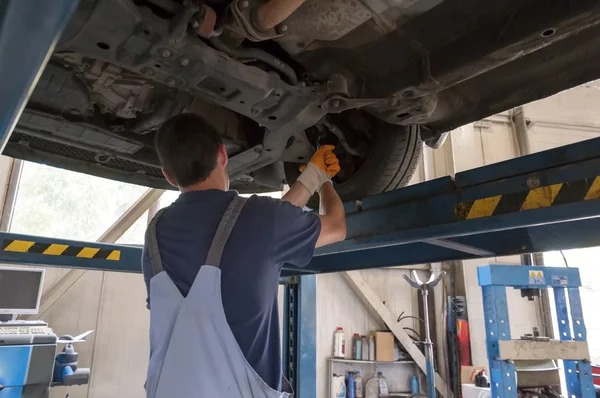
(57, 249)
(550, 195)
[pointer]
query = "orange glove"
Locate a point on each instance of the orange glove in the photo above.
(325, 159)
(322, 167)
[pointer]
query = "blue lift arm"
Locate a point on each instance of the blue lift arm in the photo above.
(29, 31)
(541, 202)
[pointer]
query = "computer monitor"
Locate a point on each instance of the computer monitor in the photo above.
(20, 290)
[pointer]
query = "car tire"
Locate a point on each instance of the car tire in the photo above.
(390, 164)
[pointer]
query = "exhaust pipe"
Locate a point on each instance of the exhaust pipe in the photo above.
(274, 12)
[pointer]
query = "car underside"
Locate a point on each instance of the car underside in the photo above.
(278, 78)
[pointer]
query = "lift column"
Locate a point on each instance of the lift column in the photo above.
(502, 351)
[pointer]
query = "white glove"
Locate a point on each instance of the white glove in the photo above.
(313, 178)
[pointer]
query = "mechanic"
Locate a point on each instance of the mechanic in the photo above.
(214, 327)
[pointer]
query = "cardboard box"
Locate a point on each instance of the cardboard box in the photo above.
(384, 346)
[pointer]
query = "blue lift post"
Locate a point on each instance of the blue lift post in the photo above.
(494, 279)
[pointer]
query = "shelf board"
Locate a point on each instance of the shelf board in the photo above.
(373, 362)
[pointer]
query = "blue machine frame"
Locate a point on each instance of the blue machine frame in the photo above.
(494, 279)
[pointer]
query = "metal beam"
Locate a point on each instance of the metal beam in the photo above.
(521, 132)
(114, 232)
(21, 63)
(542, 202)
(374, 303)
(131, 215)
(10, 195)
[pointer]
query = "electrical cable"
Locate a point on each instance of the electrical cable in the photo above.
(402, 317)
(414, 331)
(564, 258)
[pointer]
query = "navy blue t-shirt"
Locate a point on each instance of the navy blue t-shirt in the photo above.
(268, 233)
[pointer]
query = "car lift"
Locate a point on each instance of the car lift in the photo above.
(537, 203)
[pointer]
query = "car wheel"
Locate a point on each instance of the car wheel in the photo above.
(392, 158)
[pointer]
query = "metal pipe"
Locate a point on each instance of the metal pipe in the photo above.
(11, 194)
(39, 24)
(440, 323)
(428, 345)
(520, 126)
(274, 12)
(424, 287)
(259, 55)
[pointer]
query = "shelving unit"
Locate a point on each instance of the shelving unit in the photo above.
(375, 362)
(397, 373)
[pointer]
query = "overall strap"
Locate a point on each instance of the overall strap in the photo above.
(152, 244)
(224, 230)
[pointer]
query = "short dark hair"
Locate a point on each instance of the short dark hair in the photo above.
(187, 147)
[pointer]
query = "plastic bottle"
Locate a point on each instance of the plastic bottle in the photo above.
(350, 385)
(338, 387)
(357, 347)
(372, 387)
(339, 345)
(371, 348)
(364, 342)
(481, 379)
(414, 385)
(358, 386)
(383, 387)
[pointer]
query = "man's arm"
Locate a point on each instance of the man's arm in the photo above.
(333, 217)
(298, 195)
(317, 176)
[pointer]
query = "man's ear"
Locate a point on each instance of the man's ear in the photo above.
(223, 158)
(169, 179)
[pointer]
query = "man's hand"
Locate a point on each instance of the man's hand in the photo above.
(322, 167)
(325, 159)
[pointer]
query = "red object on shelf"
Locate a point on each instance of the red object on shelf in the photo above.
(464, 342)
(596, 374)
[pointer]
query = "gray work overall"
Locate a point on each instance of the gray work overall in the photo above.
(193, 352)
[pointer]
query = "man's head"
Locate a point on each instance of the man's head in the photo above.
(192, 153)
